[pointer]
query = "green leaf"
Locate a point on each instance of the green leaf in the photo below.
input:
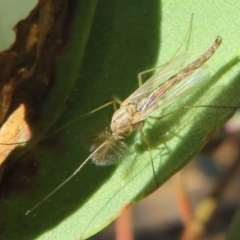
(126, 38)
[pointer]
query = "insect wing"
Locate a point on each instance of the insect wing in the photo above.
(161, 76)
(191, 82)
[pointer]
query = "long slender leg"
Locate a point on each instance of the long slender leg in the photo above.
(64, 126)
(196, 106)
(116, 101)
(140, 75)
(75, 120)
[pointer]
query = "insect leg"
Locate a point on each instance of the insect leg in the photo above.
(140, 75)
(75, 120)
(187, 107)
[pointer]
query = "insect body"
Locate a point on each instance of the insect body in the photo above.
(162, 89)
(169, 84)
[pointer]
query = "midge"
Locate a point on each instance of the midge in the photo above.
(166, 86)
